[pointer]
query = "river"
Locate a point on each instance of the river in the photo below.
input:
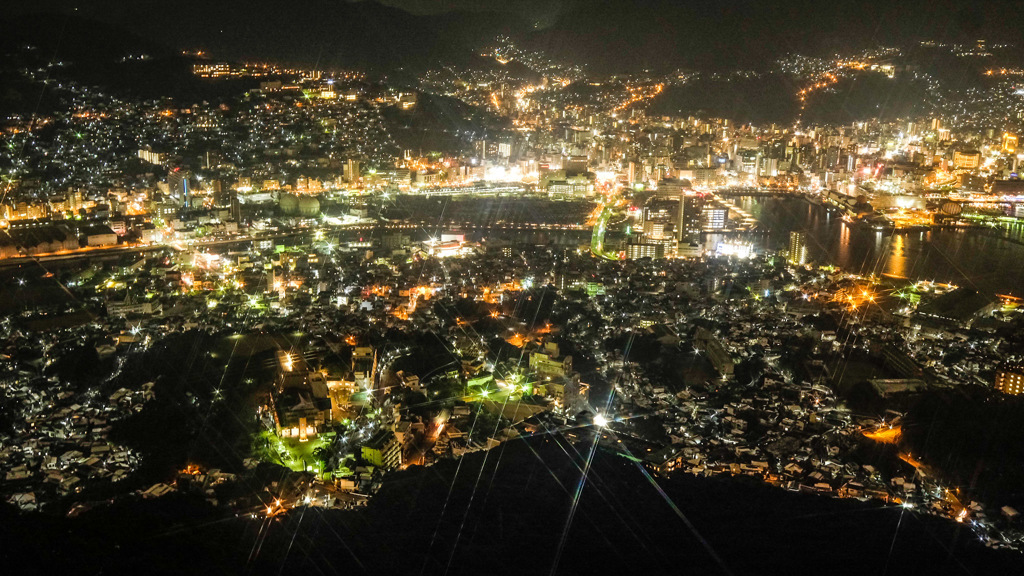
(971, 258)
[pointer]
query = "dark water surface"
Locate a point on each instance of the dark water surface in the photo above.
(976, 259)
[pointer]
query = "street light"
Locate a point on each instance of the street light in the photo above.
(600, 420)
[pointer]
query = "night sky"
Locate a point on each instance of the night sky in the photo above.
(611, 36)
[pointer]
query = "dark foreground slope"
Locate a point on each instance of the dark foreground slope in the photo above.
(507, 513)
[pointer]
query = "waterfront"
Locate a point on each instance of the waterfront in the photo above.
(972, 258)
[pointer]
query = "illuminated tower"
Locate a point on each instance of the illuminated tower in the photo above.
(797, 248)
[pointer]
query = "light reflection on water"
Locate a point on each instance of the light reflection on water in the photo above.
(974, 259)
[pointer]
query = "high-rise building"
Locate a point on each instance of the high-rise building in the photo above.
(1010, 379)
(660, 211)
(180, 187)
(798, 248)
(236, 207)
(351, 171)
(75, 200)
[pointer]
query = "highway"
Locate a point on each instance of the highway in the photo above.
(600, 228)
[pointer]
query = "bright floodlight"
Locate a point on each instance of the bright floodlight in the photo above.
(600, 420)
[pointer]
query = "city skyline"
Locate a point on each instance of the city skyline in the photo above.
(449, 287)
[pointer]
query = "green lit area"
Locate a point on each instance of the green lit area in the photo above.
(909, 295)
(290, 452)
(597, 239)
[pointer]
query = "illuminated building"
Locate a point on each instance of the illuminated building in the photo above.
(399, 176)
(689, 250)
(24, 211)
(301, 400)
(703, 177)
(654, 229)
(714, 218)
(673, 188)
(180, 187)
(665, 460)
(1009, 143)
(636, 250)
(307, 206)
(748, 161)
(967, 159)
(428, 177)
(99, 236)
(547, 363)
(570, 392)
(691, 210)
(383, 450)
(350, 171)
(445, 249)
(364, 365)
(211, 69)
(75, 200)
(735, 249)
(567, 281)
(152, 157)
(657, 212)
(560, 183)
(1010, 379)
(797, 248)
(709, 344)
(127, 307)
(407, 101)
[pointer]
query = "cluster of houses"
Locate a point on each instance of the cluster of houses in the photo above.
(60, 445)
